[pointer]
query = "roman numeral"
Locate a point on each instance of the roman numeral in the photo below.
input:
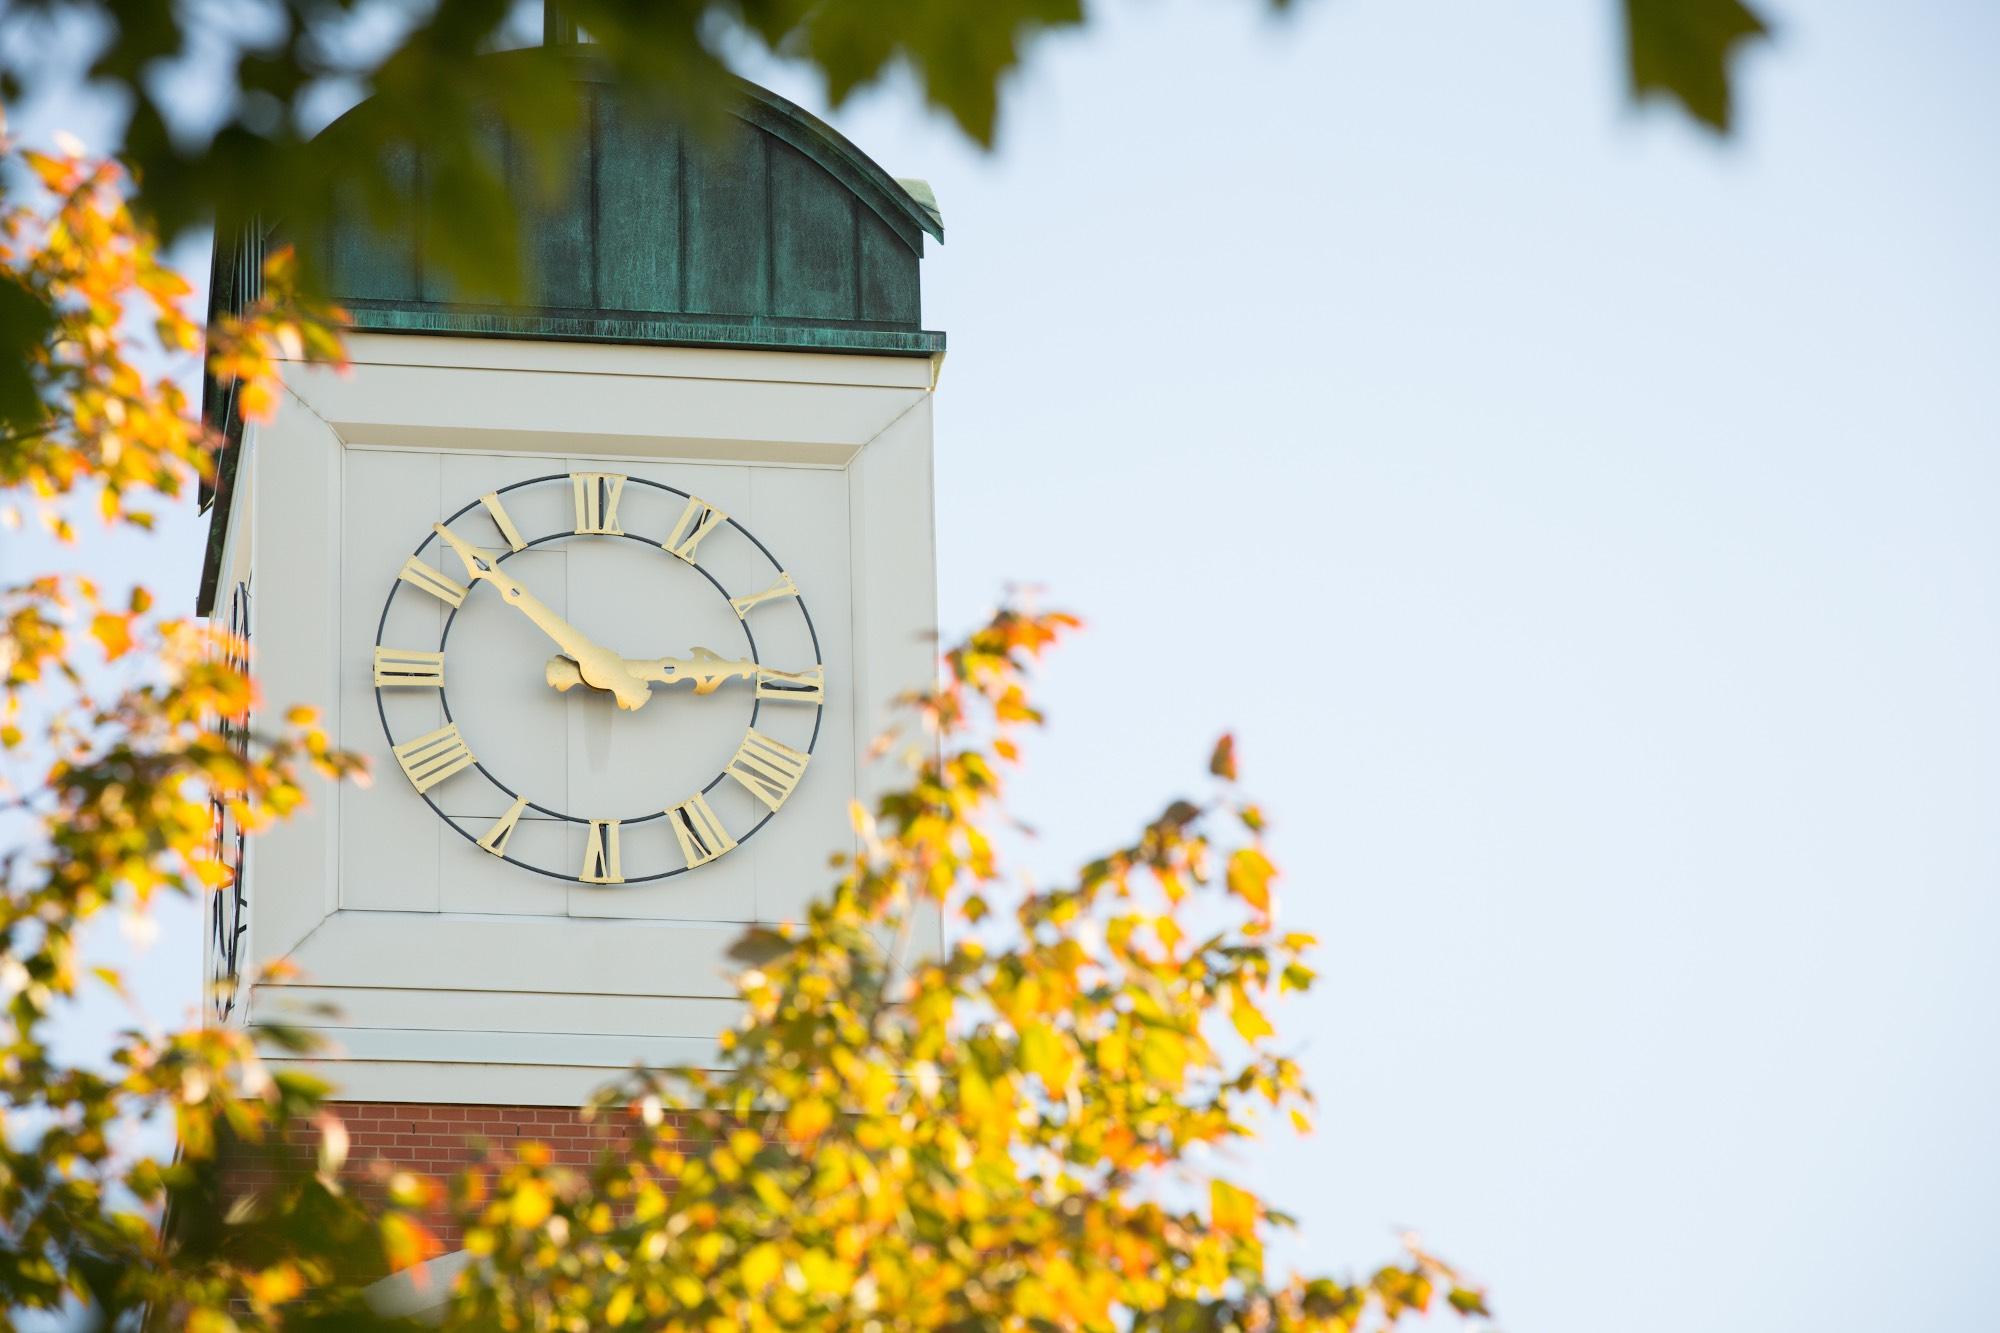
(495, 839)
(420, 575)
(784, 587)
(769, 770)
(407, 666)
(434, 756)
(801, 687)
(596, 496)
(600, 854)
(697, 520)
(498, 513)
(698, 831)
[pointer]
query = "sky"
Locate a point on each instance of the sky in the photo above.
(1585, 526)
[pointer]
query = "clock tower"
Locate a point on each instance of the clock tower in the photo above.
(613, 587)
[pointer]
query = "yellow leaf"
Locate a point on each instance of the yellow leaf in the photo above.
(761, 1266)
(1232, 1211)
(1248, 1018)
(825, 1274)
(1250, 876)
(808, 1119)
(531, 1204)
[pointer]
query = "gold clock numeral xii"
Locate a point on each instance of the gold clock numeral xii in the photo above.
(596, 495)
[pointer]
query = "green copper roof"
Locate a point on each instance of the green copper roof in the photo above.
(779, 234)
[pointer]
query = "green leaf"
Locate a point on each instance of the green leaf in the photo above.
(1467, 1301)
(1682, 49)
(758, 946)
(25, 322)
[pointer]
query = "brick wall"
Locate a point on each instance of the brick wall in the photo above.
(432, 1140)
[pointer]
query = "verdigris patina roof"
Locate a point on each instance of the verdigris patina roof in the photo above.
(778, 233)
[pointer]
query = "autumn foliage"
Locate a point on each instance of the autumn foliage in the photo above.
(1031, 1129)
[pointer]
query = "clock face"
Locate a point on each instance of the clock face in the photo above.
(619, 617)
(229, 906)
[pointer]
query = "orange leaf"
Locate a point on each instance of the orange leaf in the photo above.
(114, 632)
(407, 1242)
(1223, 762)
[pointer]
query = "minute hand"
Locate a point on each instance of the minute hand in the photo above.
(598, 666)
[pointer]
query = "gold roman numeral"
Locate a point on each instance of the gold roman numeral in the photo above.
(801, 687)
(600, 854)
(769, 770)
(697, 520)
(699, 832)
(434, 756)
(596, 496)
(407, 666)
(501, 520)
(784, 587)
(495, 839)
(420, 575)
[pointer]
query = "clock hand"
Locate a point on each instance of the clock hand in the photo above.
(597, 666)
(706, 669)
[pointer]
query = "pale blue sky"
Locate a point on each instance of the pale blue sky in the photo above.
(1606, 514)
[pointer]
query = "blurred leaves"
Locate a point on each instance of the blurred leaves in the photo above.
(1682, 49)
(1017, 1126)
(109, 750)
(437, 82)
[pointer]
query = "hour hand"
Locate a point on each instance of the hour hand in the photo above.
(706, 669)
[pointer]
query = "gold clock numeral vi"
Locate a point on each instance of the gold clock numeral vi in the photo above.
(803, 687)
(495, 839)
(434, 756)
(501, 520)
(784, 587)
(698, 831)
(600, 854)
(420, 575)
(408, 666)
(769, 770)
(697, 520)
(596, 495)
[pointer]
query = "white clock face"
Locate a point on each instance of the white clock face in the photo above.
(696, 682)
